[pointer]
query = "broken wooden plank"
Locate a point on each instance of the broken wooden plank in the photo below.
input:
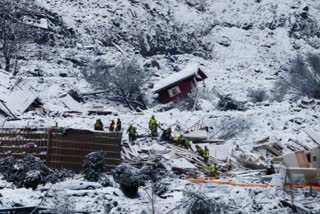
(264, 140)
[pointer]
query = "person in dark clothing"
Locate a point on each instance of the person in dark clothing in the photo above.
(166, 135)
(186, 143)
(111, 127)
(98, 125)
(270, 170)
(118, 127)
(199, 150)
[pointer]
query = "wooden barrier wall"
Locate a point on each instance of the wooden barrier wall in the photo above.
(21, 142)
(60, 148)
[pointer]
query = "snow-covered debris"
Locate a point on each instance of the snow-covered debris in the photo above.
(16, 96)
(249, 44)
(197, 135)
(73, 105)
(180, 163)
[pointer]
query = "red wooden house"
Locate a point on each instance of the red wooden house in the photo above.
(177, 86)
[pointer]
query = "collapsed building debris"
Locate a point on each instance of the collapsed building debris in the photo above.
(269, 149)
(170, 156)
(17, 97)
(198, 133)
(73, 105)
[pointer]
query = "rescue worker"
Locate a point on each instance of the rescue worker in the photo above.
(111, 127)
(132, 131)
(213, 171)
(154, 131)
(206, 154)
(134, 134)
(118, 127)
(199, 150)
(153, 126)
(166, 135)
(177, 139)
(98, 125)
(270, 170)
(187, 144)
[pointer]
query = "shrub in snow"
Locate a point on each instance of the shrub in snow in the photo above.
(303, 26)
(303, 78)
(228, 103)
(229, 127)
(93, 166)
(149, 173)
(199, 203)
(257, 95)
(6, 165)
(129, 179)
(29, 172)
(160, 188)
(62, 203)
(105, 181)
(59, 175)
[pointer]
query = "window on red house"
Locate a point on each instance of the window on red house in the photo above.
(174, 91)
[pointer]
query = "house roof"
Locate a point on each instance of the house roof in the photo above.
(190, 70)
(15, 95)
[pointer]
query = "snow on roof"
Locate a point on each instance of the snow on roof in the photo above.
(16, 98)
(72, 104)
(189, 71)
(21, 97)
(197, 134)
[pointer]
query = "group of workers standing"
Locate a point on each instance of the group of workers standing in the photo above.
(178, 140)
(166, 134)
(112, 127)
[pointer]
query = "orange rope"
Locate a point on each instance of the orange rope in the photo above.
(203, 180)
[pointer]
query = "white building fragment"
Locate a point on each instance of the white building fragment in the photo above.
(303, 167)
(16, 95)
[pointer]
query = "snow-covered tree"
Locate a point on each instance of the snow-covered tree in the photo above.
(122, 83)
(13, 32)
(303, 78)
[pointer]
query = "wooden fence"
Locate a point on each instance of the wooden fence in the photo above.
(60, 148)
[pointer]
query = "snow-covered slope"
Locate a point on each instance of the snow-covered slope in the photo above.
(243, 45)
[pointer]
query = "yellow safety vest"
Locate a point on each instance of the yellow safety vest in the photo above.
(206, 154)
(177, 137)
(213, 168)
